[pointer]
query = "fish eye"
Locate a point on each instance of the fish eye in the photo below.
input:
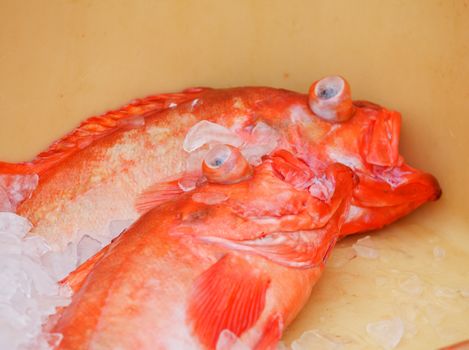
(330, 99)
(217, 156)
(225, 164)
(329, 87)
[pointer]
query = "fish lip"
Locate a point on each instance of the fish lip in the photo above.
(438, 192)
(418, 188)
(433, 189)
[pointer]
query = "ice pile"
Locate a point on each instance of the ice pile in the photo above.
(29, 291)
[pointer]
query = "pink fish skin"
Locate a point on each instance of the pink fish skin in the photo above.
(218, 264)
(94, 175)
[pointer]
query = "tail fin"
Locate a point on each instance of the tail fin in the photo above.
(17, 183)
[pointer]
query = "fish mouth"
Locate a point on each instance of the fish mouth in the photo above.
(400, 186)
(379, 200)
(418, 188)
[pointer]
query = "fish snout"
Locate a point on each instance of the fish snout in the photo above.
(403, 186)
(433, 187)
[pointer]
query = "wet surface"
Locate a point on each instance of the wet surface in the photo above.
(63, 61)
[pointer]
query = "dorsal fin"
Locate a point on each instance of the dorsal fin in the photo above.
(96, 127)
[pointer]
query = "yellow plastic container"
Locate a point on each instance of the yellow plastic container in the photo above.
(62, 61)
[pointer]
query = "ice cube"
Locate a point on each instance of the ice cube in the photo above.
(86, 248)
(227, 340)
(386, 333)
(60, 264)
(187, 183)
(314, 340)
(341, 256)
(263, 140)
(365, 248)
(12, 223)
(9, 243)
(5, 204)
(117, 226)
(35, 246)
(205, 132)
(18, 187)
(412, 285)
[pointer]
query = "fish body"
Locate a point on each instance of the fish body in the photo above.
(92, 177)
(218, 265)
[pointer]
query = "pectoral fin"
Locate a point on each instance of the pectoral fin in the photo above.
(156, 195)
(229, 295)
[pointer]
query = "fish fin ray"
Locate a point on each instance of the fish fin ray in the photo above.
(271, 334)
(291, 169)
(229, 295)
(96, 127)
(383, 146)
(76, 278)
(157, 194)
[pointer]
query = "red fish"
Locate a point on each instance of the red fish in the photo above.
(92, 176)
(233, 260)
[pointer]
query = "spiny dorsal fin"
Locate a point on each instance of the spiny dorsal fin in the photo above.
(96, 127)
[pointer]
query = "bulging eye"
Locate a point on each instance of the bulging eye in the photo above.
(330, 99)
(225, 164)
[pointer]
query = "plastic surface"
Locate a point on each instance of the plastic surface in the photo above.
(63, 61)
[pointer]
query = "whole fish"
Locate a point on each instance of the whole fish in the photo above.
(91, 178)
(230, 262)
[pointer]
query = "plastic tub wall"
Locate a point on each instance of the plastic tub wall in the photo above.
(62, 61)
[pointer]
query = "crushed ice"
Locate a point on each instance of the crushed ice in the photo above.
(29, 291)
(313, 339)
(412, 285)
(86, 248)
(365, 248)
(261, 140)
(386, 333)
(205, 132)
(229, 341)
(16, 188)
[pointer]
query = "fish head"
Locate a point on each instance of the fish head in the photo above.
(274, 197)
(365, 137)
